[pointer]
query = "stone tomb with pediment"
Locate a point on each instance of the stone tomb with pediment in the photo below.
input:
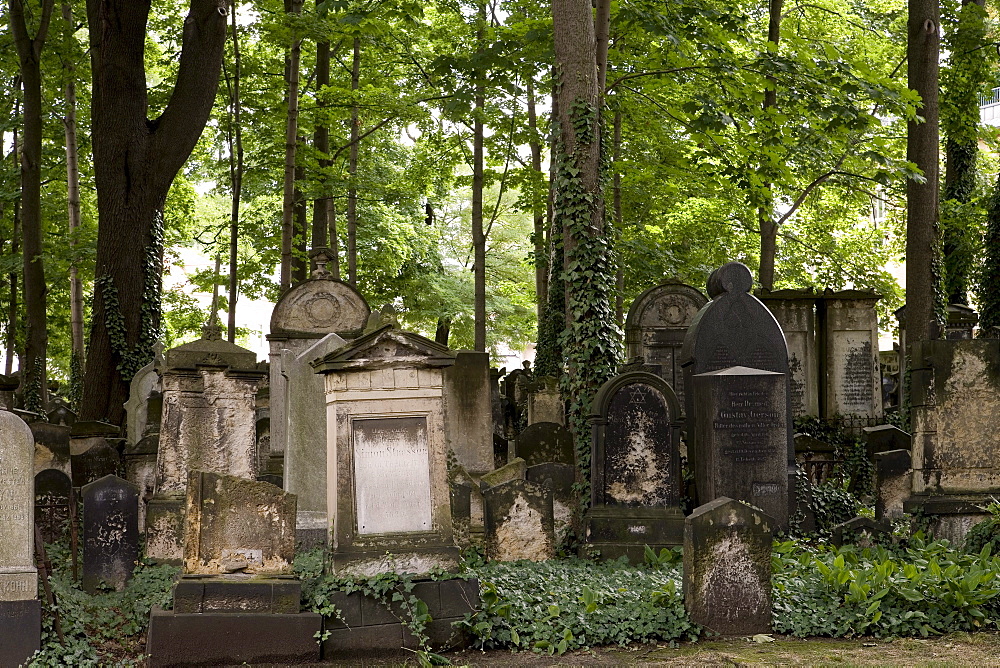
(398, 406)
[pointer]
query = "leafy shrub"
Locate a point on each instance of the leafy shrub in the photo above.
(559, 605)
(986, 532)
(923, 589)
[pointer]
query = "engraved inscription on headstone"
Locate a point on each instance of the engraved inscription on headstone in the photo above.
(18, 577)
(391, 475)
(110, 532)
(99, 460)
(855, 391)
(52, 499)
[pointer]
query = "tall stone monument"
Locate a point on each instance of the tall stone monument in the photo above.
(735, 330)
(635, 467)
(655, 327)
(391, 428)
(853, 383)
(208, 424)
(305, 314)
(20, 610)
(795, 311)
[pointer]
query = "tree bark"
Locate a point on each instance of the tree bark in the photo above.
(291, 136)
(321, 142)
(11, 350)
(73, 194)
(616, 208)
(300, 256)
(135, 161)
(478, 236)
(538, 210)
(352, 171)
(235, 177)
(922, 260)
(29, 53)
(765, 213)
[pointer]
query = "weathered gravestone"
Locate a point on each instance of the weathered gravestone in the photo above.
(391, 402)
(734, 329)
(53, 491)
(860, 531)
(545, 442)
(727, 568)
(144, 407)
(545, 402)
(98, 459)
(635, 467)
(519, 521)
(61, 415)
(565, 501)
(655, 328)
(51, 446)
(306, 313)
(885, 437)
(208, 424)
(853, 383)
(140, 469)
(237, 583)
(20, 611)
(893, 483)
(795, 311)
(741, 426)
(110, 533)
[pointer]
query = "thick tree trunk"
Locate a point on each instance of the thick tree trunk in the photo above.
(291, 135)
(352, 171)
(538, 210)
(922, 260)
(73, 194)
(235, 176)
(765, 213)
(616, 208)
(478, 236)
(135, 161)
(12, 307)
(321, 142)
(300, 256)
(29, 52)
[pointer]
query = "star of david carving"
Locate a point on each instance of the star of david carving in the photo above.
(637, 395)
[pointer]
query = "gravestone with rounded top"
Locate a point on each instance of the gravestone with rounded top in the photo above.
(655, 328)
(110, 533)
(145, 402)
(20, 612)
(635, 467)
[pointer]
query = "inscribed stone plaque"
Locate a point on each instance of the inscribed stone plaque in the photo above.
(110, 532)
(742, 421)
(99, 460)
(854, 374)
(391, 475)
(52, 499)
(18, 577)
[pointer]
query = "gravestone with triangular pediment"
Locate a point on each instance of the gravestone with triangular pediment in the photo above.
(392, 424)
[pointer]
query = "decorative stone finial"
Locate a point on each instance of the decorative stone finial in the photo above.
(212, 331)
(320, 256)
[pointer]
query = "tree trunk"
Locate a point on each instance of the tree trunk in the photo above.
(538, 210)
(478, 236)
(73, 197)
(321, 142)
(29, 52)
(616, 185)
(922, 258)
(300, 256)
(291, 135)
(765, 212)
(236, 177)
(11, 350)
(135, 161)
(352, 171)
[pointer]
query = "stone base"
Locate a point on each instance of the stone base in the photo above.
(417, 561)
(366, 628)
(20, 631)
(165, 530)
(234, 594)
(951, 516)
(617, 531)
(231, 638)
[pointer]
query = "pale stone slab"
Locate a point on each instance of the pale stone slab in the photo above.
(18, 576)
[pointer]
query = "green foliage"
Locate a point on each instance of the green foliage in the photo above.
(923, 589)
(857, 472)
(561, 605)
(986, 533)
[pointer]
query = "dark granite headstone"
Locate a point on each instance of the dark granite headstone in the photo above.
(727, 568)
(635, 467)
(51, 446)
(735, 329)
(99, 460)
(545, 442)
(53, 490)
(20, 631)
(110, 532)
(742, 421)
(655, 327)
(893, 483)
(519, 521)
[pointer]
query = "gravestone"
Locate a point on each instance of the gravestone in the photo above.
(110, 533)
(893, 482)
(61, 416)
(140, 469)
(545, 442)
(885, 437)
(853, 382)
(565, 500)
(143, 410)
(735, 329)
(98, 459)
(519, 522)
(20, 611)
(795, 311)
(962, 320)
(51, 446)
(53, 491)
(741, 430)
(635, 467)
(306, 313)
(727, 568)
(209, 387)
(545, 403)
(860, 531)
(515, 470)
(388, 395)
(655, 327)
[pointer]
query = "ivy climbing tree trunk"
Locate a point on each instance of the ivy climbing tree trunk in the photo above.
(29, 55)
(922, 253)
(235, 173)
(765, 211)
(73, 201)
(135, 161)
(962, 84)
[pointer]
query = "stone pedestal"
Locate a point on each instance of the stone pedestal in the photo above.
(545, 403)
